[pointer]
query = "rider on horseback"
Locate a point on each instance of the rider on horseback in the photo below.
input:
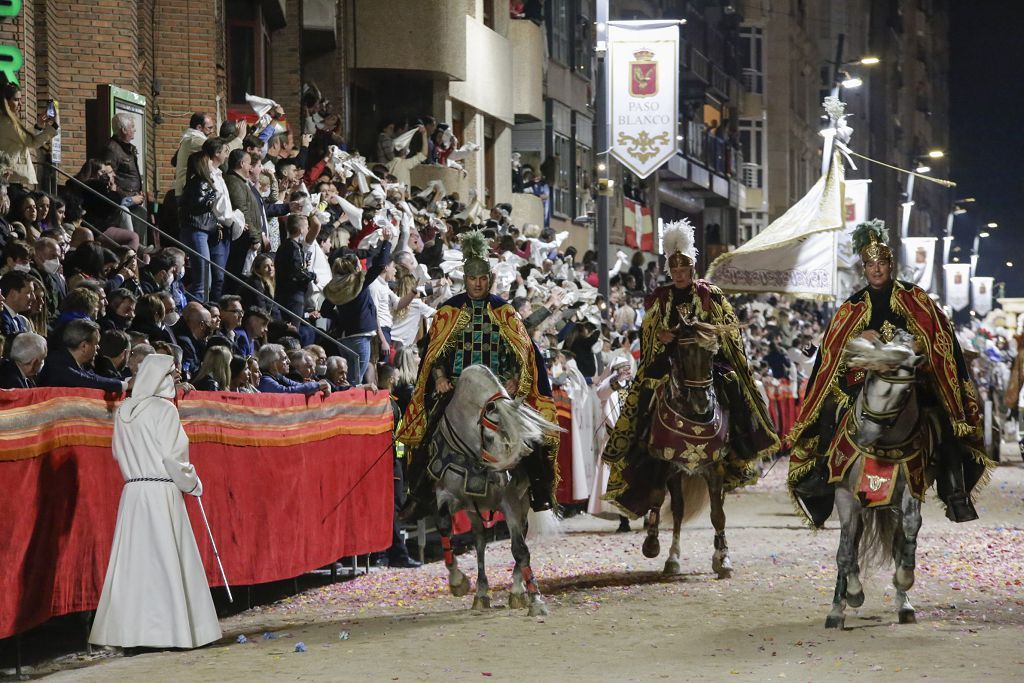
(476, 328)
(877, 312)
(636, 478)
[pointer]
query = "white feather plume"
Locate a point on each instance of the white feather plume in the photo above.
(678, 236)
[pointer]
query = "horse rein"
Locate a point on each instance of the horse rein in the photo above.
(487, 424)
(887, 418)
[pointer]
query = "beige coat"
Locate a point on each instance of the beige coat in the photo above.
(16, 141)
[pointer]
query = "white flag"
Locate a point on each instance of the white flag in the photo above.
(958, 285)
(981, 294)
(919, 260)
(643, 93)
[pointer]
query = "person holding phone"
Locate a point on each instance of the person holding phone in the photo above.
(16, 139)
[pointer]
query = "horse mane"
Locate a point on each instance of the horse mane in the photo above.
(878, 357)
(520, 422)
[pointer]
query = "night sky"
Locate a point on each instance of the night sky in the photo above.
(986, 138)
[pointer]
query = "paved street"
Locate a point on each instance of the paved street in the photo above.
(614, 617)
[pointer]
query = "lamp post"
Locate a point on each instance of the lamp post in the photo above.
(601, 139)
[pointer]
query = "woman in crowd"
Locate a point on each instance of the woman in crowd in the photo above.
(199, 227)
(26, 212)
(16, 140)
(149, 319)
(215, 372)
(241, 378)
(263, 281)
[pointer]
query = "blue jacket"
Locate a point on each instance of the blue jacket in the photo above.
(282, 385)
(62, 370)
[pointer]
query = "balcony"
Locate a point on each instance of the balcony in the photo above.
(319, 25)
(487, 85)
(527, 40)
(417, 38)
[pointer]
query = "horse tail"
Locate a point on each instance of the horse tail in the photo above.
(542, 525)
(879, 531)
(695, 498)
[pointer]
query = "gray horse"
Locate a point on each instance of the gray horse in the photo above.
(474, 452)
(882, 450)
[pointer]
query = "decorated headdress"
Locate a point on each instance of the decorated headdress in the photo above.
(474, 251)
(678, 243)
(870, 240)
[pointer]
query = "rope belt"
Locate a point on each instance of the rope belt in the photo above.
(158, 479)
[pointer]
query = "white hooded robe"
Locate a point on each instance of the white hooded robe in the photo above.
(155, 593)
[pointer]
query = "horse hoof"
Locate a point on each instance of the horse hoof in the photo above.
(518, 601)
(538, 609)
(481, 603)
(672, 568)
(651, 547)
(835, 622)
(724, 573)
(721, 565)
(903, 579)
(855, 599)
(459, 589)
(907, 616)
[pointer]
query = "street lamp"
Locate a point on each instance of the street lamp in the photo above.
(983, 234)
(869, 60)
(923, 168)
(851, 82)
(936, 154)
(1009, 264)
(992, 225)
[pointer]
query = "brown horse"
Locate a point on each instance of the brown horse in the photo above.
(690, 430)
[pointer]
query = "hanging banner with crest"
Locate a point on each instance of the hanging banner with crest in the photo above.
(918, 260)
(981, 294)
(643, 93)
(958, 285)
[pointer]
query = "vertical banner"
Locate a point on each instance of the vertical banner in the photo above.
(958, 285)
(918, 260)
(981, 294)
(643, 93)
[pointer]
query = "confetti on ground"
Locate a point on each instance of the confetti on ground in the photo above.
(300, 647)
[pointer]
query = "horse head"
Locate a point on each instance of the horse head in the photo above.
(691, 359)
(891, 372)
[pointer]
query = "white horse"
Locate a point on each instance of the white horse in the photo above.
(882, 450)
(474, 454)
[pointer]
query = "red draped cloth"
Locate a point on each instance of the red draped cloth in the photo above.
(290, 484)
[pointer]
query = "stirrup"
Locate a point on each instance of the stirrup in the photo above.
(960, 508)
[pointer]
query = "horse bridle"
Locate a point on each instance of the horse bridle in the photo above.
(694, 383)
(487, 424)
(887, 418)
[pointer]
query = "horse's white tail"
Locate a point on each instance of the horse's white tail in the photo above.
(543, 525)
(880, 529)
(695, 498)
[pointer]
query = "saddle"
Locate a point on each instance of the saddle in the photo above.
(448, 452)
(689, 444)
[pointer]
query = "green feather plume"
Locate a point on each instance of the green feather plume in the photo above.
(474, 245)
(861, 236)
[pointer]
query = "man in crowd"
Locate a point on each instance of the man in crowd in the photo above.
(113, 354)
(274, 365)
(191, 332)
(28, 352)
(200, 127)
(69, 366)
(18, 297)
(252, 331)
(123, 158)
(46, 268)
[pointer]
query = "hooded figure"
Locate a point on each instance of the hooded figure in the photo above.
(155, 593)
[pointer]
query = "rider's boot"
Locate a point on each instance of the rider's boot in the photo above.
(959, 507)
(542, 478)
(417, 503)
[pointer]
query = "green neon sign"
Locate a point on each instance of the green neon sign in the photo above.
(11, 59)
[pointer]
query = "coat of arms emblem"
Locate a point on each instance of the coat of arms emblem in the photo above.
(643, 74)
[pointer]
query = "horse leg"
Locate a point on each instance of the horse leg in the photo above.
(675, 489)
(903, 579)
(482, 599)
(849, 517)
(522, 575)
(458, 584)
(651, 546)
(720, 562)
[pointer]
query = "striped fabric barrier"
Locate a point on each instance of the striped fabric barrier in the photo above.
(290, 484)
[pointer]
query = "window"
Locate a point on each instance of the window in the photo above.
(584, 43)
(752, 58)
(248, 51)
(561, 31)
(752, 143)
(584, 130)
(562, 151)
